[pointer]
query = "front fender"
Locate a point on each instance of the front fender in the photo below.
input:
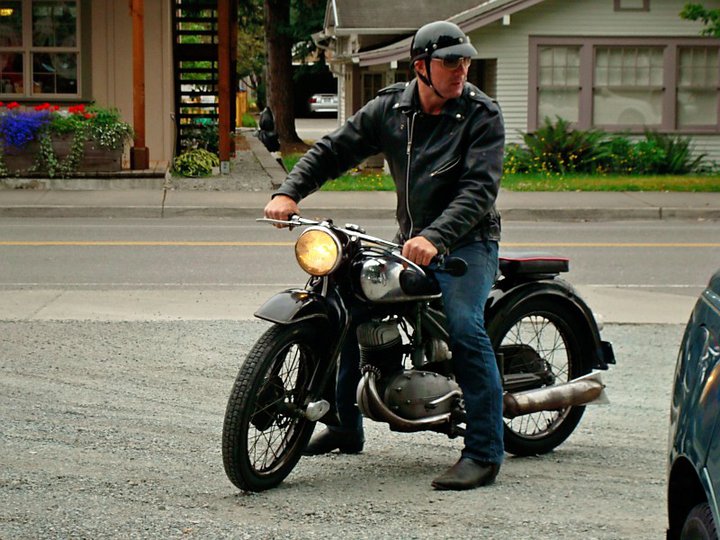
(555, 290)
(295, 305)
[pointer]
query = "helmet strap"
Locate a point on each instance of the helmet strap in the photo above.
(428, 80)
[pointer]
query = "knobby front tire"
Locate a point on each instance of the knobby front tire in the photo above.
(265, 431)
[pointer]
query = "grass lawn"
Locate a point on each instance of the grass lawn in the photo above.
(373, 180)
(526, 182)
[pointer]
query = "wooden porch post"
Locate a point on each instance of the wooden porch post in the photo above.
(225, 90)
(139, 155)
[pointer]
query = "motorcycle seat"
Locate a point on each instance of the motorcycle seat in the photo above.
(512, 264)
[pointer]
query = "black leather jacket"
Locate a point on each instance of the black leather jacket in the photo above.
(446, 167)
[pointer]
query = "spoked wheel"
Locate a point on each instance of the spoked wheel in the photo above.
(265, 430)
(541, 346)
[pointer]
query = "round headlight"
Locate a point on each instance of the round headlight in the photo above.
(317, 251)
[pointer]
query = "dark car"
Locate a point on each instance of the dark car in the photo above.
(694, 456)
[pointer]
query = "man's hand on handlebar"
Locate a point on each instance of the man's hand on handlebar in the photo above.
(281, 207)
(419, 250)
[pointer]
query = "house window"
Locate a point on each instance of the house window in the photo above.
(559, 83)
(631, 5)
(698, 84)
(372, 83)
(626, 84)
(39, 49)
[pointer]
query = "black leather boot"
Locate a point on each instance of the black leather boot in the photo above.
(467, 474)
(328, 440)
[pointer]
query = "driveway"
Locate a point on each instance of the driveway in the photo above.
(312, 129)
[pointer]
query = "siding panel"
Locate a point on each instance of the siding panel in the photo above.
(585, 18)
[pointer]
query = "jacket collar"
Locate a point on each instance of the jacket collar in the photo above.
(410, 102)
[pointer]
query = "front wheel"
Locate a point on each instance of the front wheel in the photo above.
(265, 430)
(540, 343)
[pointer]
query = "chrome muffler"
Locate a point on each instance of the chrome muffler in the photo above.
(585, 390)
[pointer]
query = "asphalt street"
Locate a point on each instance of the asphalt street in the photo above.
(221, 268)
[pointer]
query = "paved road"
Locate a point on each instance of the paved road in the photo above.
(311, 129)
(225, 268)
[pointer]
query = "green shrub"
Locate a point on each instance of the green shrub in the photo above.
(677, 153)
(517, 159)
(556, 148)
(195, 163)
(205, 136)
(248, 120)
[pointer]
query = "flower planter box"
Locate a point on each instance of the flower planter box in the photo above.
(95, 159)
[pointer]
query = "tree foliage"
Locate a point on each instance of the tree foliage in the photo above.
(273, 34)
(251, 47)
(709, 17)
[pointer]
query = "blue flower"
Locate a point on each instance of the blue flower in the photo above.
(18, 128)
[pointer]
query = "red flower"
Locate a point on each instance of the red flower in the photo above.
(42, 107)
(77, 109)
(13, 105)
(2, 104)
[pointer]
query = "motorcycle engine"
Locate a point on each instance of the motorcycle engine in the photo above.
(381, 345)
(418, 394)
(410, 394)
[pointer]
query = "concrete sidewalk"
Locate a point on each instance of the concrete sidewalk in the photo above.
(151, 201)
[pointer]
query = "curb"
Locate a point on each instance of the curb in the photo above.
(356, 213)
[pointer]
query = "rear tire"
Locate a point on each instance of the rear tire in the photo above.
(699, 524)
(265, 430)
(551, 333)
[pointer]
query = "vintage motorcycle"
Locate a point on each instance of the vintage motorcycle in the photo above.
(546, 339)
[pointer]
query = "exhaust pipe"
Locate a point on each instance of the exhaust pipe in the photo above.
(372, 406)
(585, 390)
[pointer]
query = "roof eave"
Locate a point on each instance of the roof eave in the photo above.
(468, 20)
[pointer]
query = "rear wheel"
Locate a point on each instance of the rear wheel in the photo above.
(540, 343)
(265, 430)
(699, 524)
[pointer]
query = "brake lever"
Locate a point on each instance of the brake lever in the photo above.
(292, 222)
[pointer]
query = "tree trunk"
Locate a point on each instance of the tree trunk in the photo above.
(280, 93)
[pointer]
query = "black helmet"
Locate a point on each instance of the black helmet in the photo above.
(440, 39)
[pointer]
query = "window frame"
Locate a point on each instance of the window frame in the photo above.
(28, 49)
(618, 6)
(588, 45)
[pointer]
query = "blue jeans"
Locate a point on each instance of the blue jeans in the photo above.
(473, 356)
(474, 361)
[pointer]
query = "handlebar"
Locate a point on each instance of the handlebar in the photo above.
(454, 266)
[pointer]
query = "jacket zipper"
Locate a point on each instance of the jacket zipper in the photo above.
(446, 167)
(407, 173)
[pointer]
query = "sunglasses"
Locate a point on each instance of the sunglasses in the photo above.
(454, 62)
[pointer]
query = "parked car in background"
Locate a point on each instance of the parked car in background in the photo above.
(323, 103)
(694, 455)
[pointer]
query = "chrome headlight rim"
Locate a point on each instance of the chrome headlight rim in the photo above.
(338, 249)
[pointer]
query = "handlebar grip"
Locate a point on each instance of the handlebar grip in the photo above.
(455, 266)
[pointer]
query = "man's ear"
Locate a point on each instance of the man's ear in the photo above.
(419, 66)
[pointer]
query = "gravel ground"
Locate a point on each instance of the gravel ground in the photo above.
(112, 430)
(246, 174)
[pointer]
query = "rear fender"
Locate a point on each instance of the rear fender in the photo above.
(555, 291)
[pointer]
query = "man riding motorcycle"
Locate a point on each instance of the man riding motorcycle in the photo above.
(443, 140)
